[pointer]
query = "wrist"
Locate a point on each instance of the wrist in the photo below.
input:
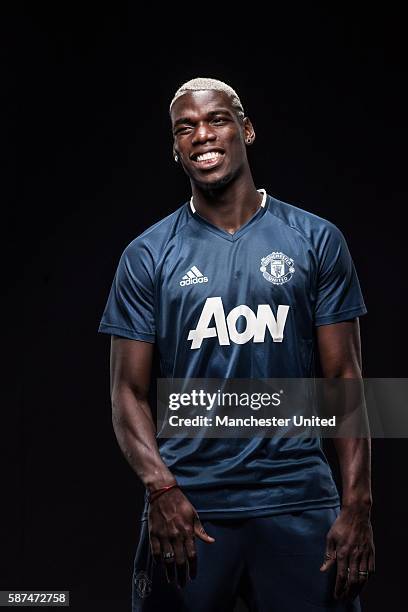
(153, 495)
(361, 503)
(158, 479)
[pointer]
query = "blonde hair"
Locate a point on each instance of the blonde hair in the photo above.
(201, 84)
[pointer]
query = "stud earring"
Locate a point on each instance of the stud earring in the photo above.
(176, 158)
(248, 141)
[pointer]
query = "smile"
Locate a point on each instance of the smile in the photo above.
(208, 159)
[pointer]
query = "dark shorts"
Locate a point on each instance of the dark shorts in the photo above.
(272, 563)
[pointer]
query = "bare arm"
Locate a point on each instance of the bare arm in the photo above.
(340, 356)
(131, 362)
(350, 539)
(173, 521)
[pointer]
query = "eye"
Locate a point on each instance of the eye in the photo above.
(218, 120)
(182, 130)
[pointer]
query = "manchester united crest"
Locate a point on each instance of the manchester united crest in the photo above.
(277, 268)
(143, 584)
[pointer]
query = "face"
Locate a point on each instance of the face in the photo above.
(209, 138)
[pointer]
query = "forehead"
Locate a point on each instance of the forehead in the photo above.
(196, 103)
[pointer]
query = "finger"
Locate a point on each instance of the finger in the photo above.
(353, 567)
(191, 553)
(329, 555)
(342, 575)
(181, 562)
(354, 585)
(371, 563)
(168, 559)
(170, 571)
(363, 570)
(200, 531)
(155, 548)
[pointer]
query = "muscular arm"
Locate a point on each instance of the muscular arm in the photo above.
(340, 356)
(350, 539)
(173, 521)
(131, 362)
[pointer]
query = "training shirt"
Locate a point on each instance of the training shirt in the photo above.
(242, 305)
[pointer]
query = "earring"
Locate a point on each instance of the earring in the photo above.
(176, 158)
(248, 141)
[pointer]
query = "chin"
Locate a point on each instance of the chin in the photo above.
(214, 184)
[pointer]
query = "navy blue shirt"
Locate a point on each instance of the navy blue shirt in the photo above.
(242, 305)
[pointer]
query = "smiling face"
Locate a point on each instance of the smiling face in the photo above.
(209, 137)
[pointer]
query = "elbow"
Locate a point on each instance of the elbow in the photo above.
(123, 394)
(124, 401)
(353, 371)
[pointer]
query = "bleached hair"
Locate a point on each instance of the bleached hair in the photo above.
(201, 84)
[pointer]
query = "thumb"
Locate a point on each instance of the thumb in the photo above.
(329, 555)
(200, 532)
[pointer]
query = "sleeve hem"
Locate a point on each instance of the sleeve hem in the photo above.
(115, 330)
(343, 315)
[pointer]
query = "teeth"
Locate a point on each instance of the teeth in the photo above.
(209, 155)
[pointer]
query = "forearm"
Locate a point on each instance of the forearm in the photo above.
(340, 358)
(136, 434)
(354, 453)
(354, 456)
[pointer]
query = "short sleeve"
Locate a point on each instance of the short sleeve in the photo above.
(129, 311)
(338, 292)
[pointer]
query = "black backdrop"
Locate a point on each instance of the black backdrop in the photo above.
(89, 166)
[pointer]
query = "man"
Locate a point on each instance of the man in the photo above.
(258, 516)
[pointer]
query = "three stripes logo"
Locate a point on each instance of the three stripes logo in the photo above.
(193, 277)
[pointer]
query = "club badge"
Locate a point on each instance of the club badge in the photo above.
(143, 584)
(277, 268)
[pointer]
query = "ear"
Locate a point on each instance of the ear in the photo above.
(249, 132)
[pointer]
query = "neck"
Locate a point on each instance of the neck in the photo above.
(228, 207)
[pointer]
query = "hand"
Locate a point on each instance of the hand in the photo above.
(350, 543)
(173, 524)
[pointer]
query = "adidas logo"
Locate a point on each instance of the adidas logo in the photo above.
(192, 277)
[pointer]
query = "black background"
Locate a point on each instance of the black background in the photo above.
(89, 166)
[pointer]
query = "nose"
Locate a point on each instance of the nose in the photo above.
(203, 133)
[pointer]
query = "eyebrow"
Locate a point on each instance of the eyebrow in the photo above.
(217, 111)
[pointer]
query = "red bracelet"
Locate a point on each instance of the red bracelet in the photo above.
(155, 494)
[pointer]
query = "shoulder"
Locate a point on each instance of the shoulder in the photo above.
(317, 230)
(156, 237)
